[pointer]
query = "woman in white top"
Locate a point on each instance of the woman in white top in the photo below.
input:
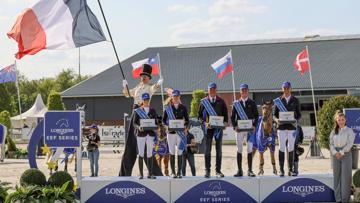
(341, 141)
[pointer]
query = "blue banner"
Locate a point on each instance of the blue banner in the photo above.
(2, 133)
(125, 191)
(353, 121)
(215, 191)
(302, 190)
(62, 129)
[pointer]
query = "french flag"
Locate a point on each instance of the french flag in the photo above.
(137, 66)
(55, 24)
(223, 65)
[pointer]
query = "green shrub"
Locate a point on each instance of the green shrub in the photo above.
(32, 177)
(197, 95)
(327, 112)
(59, 178)
(54, 102)
(356, 178)
(4, 187)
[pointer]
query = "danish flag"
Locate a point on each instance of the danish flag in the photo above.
(302, 62)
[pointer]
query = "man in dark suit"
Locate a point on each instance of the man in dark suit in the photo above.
(285, 130)
(213, 105)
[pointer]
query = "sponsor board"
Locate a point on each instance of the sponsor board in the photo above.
(353, 121)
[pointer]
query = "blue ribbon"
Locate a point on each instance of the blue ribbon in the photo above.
(280, 105)
(240, 110)
(171, 116)
(205, 102)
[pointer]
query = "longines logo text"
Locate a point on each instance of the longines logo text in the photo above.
(63, 127)
(125, 192)
(303, 190)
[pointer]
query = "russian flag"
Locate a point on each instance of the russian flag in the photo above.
(223, 65)
(137, 66)
(55, 24)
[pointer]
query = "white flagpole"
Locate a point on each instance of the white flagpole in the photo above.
(18, 87)
(312, 87)
(161, 86)
(233, 79)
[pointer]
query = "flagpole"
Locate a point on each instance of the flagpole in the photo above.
(312, 86)
(18, 89)
(161, 86)
(113, 45)
(79, 64)
(233, 78)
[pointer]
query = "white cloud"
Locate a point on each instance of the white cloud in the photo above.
(214, 28)
(182, 8)
(235, 7)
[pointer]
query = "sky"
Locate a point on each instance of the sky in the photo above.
(136, 25)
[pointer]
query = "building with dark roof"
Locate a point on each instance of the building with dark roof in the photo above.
(263, 64)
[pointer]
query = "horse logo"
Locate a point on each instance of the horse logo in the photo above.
(63, 123)
(215, 185)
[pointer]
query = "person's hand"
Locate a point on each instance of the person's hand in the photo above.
(338, 155)
(124, 83)
(208, 126)
(159, 82)
(141, 129)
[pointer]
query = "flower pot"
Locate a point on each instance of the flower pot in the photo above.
(355, 157)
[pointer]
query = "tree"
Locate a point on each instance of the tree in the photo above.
(197, 95)
(6, 101)
(327, 112)
(54, 102)
(5, 120)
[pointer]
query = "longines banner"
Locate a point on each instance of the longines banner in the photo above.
(198, 189)
(125, 189)
(309, 188)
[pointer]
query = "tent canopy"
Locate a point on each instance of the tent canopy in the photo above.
(30, 117)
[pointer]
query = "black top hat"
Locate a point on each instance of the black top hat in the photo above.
(146, 70)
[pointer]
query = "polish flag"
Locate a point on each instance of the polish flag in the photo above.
(223, 65)
(301, 62)
(55, 24)
(137, 66)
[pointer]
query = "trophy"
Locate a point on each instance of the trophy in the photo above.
(216, 122)
(176, 125)
(245, 125)
(286, 117)
(148, 124)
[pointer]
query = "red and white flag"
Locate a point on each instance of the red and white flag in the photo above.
(301, 62)
(55, 24)
(137, 66)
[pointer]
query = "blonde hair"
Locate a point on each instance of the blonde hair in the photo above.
(337, 114)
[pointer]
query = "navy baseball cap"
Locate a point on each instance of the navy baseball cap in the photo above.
(175, 93)
(286, 84)
(145, 96)
(244, 86)
(93, 126)
(212, 85)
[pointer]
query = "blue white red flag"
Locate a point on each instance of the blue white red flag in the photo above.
(223, 65)
(137, 66)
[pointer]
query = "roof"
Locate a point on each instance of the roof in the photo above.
(263, 64)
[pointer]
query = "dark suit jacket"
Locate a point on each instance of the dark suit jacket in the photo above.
(250, 109)
(219, 107)
(180, 113)
(152, 114)
(293, 105)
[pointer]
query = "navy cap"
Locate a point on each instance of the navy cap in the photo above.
(93, 126)
(145, 96)
(286, 84)
(212, 85)
(175, 93)
(244, 86)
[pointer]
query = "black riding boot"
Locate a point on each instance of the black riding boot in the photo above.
(239, 165)
(172, 166)
(281, 163)
(141, 167)
(179, 163)
(249, 159)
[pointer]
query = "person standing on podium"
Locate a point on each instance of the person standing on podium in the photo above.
(214, 115)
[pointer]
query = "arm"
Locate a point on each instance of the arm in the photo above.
(98, 141)
(186, 116)
(256, 114)
(136, 121)
(200, 113)
(332, 146)
(165, 118)
(298, 112)
(350, 141)
(233, 117)
(225, 112)
(192, 143)
(154, 88)
(126, 94)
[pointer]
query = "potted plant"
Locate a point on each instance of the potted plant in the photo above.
(32, 176)
(25, 194)
(58, 194)
(356, 183)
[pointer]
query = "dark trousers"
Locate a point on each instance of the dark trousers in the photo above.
(218, 147)
(190, 158)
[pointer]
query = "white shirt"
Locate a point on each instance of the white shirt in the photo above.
(140, 89)
(146, 109)
(244, 100)
(212, 99)
(344, 140)
(287, 99)
(176, 106)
